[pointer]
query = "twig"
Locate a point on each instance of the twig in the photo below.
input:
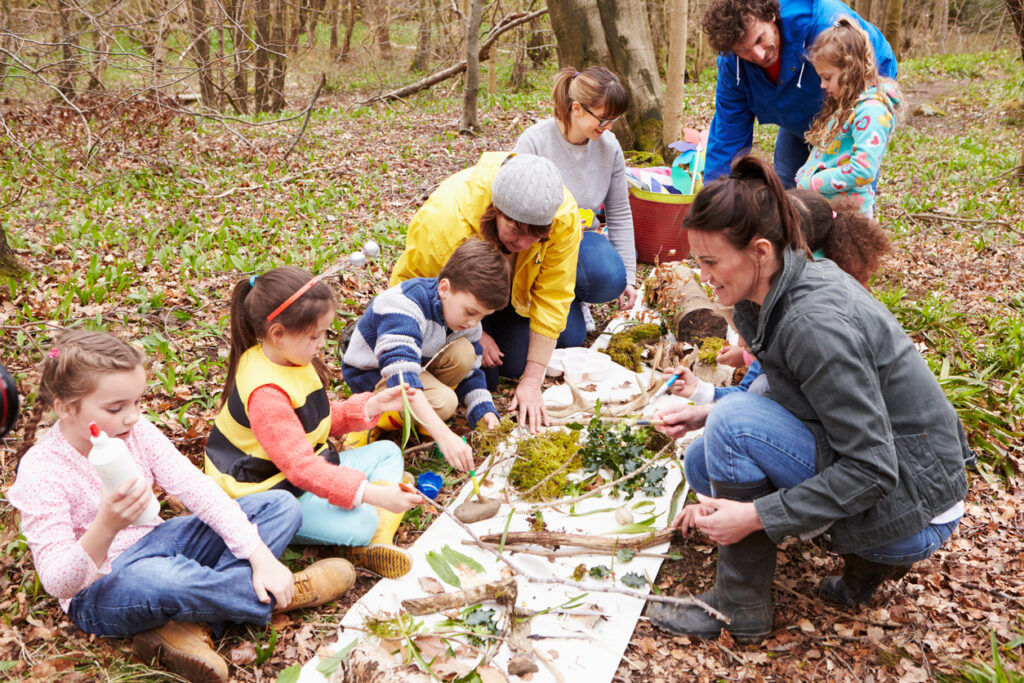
(580, 586)
(600, 544)
(309, 111)
(547, 661)
(845, 615)
(732, 654)
(523, 550)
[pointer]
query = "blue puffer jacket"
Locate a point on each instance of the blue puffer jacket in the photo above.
(744, 92)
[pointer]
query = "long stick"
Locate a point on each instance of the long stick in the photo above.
(553, 539)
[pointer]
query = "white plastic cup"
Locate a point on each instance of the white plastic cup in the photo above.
(574, 367)
(597, 367)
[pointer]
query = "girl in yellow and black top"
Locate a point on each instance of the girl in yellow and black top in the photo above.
(275, 417)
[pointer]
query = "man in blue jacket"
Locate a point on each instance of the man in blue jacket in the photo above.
(764, 73)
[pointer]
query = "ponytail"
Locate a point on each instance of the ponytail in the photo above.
(595, 88)
(748, 204)
(254, 299)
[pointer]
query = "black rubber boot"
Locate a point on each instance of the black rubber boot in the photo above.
(743, 586)
(859, 581)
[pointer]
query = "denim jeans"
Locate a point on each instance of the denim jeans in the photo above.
(182, 570)
(748, 438)
(790, 154)
(327, 524)
(600, 273)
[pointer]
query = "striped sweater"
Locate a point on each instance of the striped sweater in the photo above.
(402, 329)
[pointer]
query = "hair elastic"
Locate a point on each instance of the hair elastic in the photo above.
(252, 281)
(290, 300)
(54, 352)
(575, 74)
(835, 215)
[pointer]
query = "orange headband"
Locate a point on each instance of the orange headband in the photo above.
(290, 300)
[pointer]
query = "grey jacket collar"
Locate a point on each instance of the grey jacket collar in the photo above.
(753, 321)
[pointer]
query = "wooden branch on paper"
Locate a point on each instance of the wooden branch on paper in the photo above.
(554, 539)
(503, 592)
(524, 550)
(578, 585)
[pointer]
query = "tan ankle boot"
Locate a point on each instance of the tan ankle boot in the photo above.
(185, 649)
(320, 582)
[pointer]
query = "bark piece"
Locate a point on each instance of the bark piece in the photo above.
(503, 592)
(522, 664)
(693, 315)
(476, 510)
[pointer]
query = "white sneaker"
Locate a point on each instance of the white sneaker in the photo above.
(588, 319)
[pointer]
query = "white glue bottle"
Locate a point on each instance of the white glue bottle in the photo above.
(114, 465)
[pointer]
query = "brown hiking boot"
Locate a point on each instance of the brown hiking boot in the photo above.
(321, 582)
(185, 649)
(385, 559)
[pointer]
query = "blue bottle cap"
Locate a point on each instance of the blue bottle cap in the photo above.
(429, 484)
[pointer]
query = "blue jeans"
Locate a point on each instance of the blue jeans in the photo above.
(182, 570)
(600, 273)
(327, 524)
(790, 154)
(748, 438)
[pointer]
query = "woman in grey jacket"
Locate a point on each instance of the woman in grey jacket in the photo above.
(854, 436)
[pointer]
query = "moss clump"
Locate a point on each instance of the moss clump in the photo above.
(486, 441)
(626, 348)
(541, 455)
(709, 348)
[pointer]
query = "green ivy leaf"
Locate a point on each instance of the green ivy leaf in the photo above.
(634, 580)
(480, 617)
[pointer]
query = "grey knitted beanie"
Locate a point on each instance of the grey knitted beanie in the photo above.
(528, 189)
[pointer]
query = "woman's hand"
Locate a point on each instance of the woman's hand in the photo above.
(687, 517)
(532, 413)
(728, 521)
(492, 355)
(271, 578)
(679, 421)
(628, 298)
(390, 498)
(685, 385)
(389, 399)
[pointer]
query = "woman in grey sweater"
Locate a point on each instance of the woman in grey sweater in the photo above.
(854, 438)
(580, 143)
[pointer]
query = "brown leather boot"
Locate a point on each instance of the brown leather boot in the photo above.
(320, 582)
(185, 649)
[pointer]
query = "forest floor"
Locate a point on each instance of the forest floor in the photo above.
(142, 224)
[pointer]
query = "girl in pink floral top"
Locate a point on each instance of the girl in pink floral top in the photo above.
(218, 565)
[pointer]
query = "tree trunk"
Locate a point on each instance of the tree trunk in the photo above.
(350, 24)
(10, 266)
(579, 34)
(878, 9)
(198, 28)
(382, 28)
(261, 67)
(334, 18)
(679, 14)
(893, 26)
(940, 24)
(657, 24)
(628, 38)
(316, 12)
(66, 70)
(470, 123)
(279, 61)
(240, 51)
(863, 8)
(421, 58)
(6, 41)
(100, 54)
(1016, 10)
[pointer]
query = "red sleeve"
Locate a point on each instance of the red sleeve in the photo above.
(277, 428)
(350, 415)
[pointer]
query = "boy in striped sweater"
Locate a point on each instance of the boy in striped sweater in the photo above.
(428, 329)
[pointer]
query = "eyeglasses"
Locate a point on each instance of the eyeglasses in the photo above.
(601, 123)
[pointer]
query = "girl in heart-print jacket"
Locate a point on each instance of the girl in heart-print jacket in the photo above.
(851, 133)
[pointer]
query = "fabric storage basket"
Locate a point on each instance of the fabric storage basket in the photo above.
(658, 225)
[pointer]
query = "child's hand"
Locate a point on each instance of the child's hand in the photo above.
(456, 451)
(390, 498)
(271, 578)
(731, 356)
(491, 420)
(120, 508)
(389, 399)
(686, 384)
